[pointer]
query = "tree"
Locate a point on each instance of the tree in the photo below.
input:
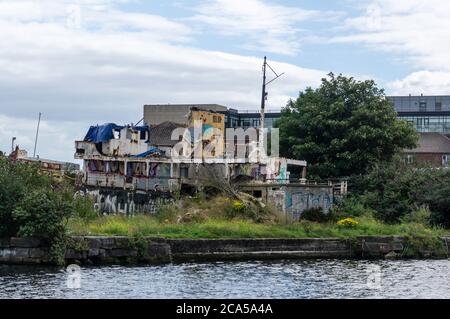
(342, 128)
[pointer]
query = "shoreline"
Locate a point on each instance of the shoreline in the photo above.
(101, 250)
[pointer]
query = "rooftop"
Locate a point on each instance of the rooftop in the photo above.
(432, 143)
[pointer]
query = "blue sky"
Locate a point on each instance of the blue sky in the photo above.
(83, 62)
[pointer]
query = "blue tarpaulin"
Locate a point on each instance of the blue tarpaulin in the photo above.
(101, 133)
(153, 150)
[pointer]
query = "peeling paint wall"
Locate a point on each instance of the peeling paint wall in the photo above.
(298, 199)
(293, 199)
(116, 201)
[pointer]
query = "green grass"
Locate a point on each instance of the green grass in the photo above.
(144, 225)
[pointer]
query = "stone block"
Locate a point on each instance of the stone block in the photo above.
(4, 242)
(25, 242)
(122, 252)
(37, 252)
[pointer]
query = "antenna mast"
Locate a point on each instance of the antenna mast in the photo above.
(264, 98)
(37, 134)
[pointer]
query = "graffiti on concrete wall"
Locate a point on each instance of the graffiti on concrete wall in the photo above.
(116, 201)
(295, 200)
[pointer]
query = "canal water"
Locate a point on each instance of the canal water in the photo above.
(274, 279)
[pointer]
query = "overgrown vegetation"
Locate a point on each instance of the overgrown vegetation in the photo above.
(33, 205)
(145, 225)
(342, 128)
(394, 192)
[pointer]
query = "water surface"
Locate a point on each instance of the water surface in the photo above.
(275, 279)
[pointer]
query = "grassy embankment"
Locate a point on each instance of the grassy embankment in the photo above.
(216, 228)
(221, 218)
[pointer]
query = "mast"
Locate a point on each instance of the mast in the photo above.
(263, 98)
(37, 134)
(263, 102)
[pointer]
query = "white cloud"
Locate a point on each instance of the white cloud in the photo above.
(422, 82)
(266, 27)
(416, 30)
(108, 67)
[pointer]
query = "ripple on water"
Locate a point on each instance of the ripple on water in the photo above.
(275, 279)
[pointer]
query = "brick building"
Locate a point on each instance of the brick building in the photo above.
(433, 149)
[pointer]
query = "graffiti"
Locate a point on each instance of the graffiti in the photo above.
(276, 169)
(113, 201)
(278, 200)
(295, 200)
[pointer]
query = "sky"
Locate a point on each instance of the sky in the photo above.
(88, 62)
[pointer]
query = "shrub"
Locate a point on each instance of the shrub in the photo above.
(315, 214)
(41, 213)
(418, 216)
(83, 208)
(351, 206)
(238, 209)
(16, 180)
(31, 205)
(347, 222)
(395, 190)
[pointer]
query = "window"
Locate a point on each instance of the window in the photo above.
(215, 120)
(423, 107)
(143, 135)
(438, 106)
(409, 159)
(446, 160)
(184, 171)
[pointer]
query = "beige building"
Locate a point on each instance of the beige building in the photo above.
(155, 114)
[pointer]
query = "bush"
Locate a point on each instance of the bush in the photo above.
(16, 181)
(83, 208)
(436, 195)
(315, 214)
(238, 209)
(420, 216)
(31, 205)
(351, 206)
(41, 213)
(347, 222)
(395, 190)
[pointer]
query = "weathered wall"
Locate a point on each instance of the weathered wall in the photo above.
(117, 249)
(119, 201)
(299, 198)
(293, 199)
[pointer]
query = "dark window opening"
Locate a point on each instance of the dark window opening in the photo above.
(257, 194)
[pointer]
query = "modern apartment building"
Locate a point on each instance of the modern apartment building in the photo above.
(430, 114)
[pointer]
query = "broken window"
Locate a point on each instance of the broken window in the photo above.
(184, 171)
(96, 166)
(115, 167)
(136, 169)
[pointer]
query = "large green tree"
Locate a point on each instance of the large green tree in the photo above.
(342, 128)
